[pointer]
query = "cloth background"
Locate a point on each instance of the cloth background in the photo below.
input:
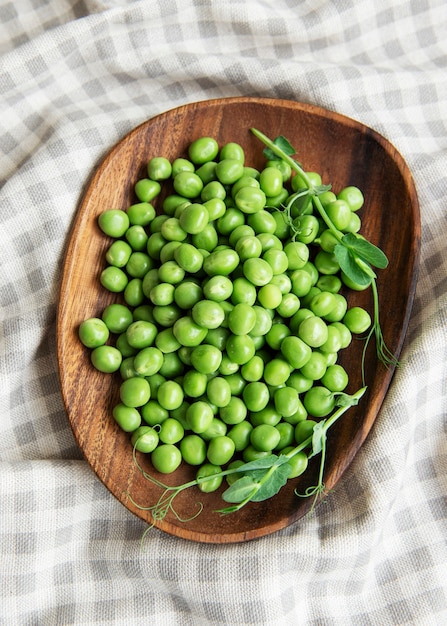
(75, 77)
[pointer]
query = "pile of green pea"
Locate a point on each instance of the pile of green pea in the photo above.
(231, 313)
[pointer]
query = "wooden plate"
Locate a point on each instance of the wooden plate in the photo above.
(344, 152)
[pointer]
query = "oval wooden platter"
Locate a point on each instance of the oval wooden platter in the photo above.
(344, 152)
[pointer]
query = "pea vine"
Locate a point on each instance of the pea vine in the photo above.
(356, 256)
(258, 480)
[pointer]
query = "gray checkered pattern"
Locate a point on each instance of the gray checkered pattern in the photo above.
(75, 76)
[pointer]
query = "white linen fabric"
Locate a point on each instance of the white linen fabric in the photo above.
(75, 77)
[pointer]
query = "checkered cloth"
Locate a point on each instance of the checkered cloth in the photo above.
(75, 77)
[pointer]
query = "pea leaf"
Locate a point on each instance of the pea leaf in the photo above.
(320, 189)
(264, 463)
(273, 484)
(343, 399)
(318, 435)
(283, 144)
(366, 250)
(239, 490)
(349, 265)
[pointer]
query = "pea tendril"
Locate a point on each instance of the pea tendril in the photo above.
(355, 255)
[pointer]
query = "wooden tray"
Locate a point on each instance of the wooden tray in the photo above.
(344, 152)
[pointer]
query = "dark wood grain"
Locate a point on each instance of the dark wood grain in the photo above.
(345, 152)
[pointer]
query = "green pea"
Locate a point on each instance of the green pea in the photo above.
(307, 227)
(276, 372)
(262, 222)
(171, 230)
(206, 171)
(199, 416)
(299, 415)
(113, 279)
(267, 415)
(194, 218)
(155, 244)
(93, 332)
(250, 199)
(148, 361)
(152, 412)
(218, 391)
(220, 450)
(248, 247)
(133, 293)
(270, 296)
(263, 322)
(106, 359)
(146, 190)
(240, 434)
(141, 334)
(217, 428)
(326, 262)
(288, 306)
(352, 196)
(193, 449)
(298, 463)
(301, 283)
(187, 184)
(301, 383)
(232, 150)
(244, 292)
(234, 411)
(187, 294)
(144, 439)
(187, 332)
(253, 370)
(313, 331)
(159, 168)
(208, 481)
(240, 348)
(229, 170)
(171, 431)
(357, 320)
(118, 253)
(222, 262)
(141, 213)
(335, 378)
(257, 271)
(206, 358)
(166, 315)
(166, 458)
(135, 391)
(250, 453)
(319, 401)
(256, 396)
(207, 238)
(194, 383)
(166, 342)
(241, 319)
(123, 346)
(286, 401)
(297, 254)
(286, 435)
(232, 218)
(170, 395)
(333, 342)
(203, 149)
(128, 418)
(181, 165)
(114, 222)
(208, 314)
(304, 430)
(315, 367)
